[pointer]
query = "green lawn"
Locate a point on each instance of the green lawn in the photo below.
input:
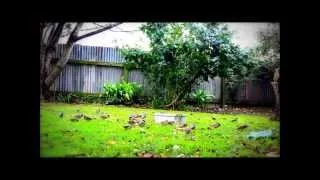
(107, 138)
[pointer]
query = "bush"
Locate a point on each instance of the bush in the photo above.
(122, 92)
(200, 97)
(157, 102)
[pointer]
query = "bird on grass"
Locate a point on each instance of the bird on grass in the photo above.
(243, 126)
(76, 117)
(182, 125)
(216, 125)
(142, 123)
(104, 116)
(61, 114)
(143, 115)
(127, 126)
(86, 117)
(193, 126)
(234, 120)
(188, 130)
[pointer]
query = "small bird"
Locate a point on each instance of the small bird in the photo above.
(182, 125)
(234, 120)
(104, 116)
(143, 115)
(73, 119)
(127, 126)
(142, 123)
(243, 126)
(188, 130)
(86, 117)
(61, 114)
(76, 117)
(79, 116)
(170, 122)
(193, 126)
(216, 125)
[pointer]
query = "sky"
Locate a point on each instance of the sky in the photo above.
(245, 35)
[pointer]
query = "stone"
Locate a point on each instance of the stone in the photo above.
(273, 154)
(147, 155)
(180, 156)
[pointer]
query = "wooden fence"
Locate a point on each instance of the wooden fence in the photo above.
(90, 67)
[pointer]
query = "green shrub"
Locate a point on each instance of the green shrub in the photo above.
(200, 97)
(157, 102)
(122, 92)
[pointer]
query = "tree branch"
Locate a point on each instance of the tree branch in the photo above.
(74, 34)
(96, 32)
(56, 35)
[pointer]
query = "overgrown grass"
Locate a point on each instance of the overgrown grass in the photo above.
(108, 138)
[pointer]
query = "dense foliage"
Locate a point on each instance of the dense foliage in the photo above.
(200, 97)
(183, 53)
(122, 92)
(267, 54)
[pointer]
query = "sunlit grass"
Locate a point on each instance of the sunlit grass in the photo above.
(108, 138)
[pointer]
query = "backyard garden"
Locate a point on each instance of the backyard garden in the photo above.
(159, 103)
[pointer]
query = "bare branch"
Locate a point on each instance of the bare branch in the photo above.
(99, 25)
(74, 34)
(56, 35)
(96, 32)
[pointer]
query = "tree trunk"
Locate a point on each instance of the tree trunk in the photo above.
(49, 37)
(275, 86)
(277, 98)
(49, 73)
(185, 89)
(56, 70)
(222, 93)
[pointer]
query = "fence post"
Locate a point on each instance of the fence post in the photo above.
(125, 73)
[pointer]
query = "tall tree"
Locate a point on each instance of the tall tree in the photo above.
(268, 55)
(50, 34)
(182, 53)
